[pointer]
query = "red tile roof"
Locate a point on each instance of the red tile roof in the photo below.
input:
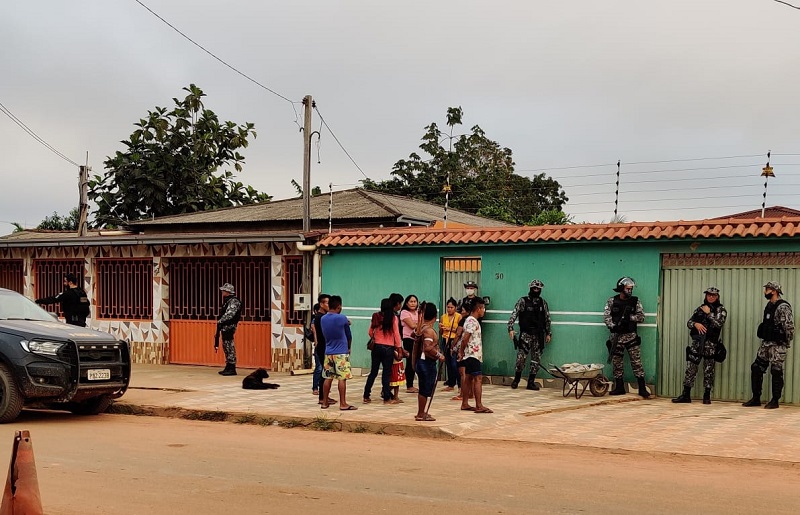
(769, 212)
(637, 231)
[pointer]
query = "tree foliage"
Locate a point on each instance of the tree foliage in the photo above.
(481, 177)
(55, 222)
(176, 161)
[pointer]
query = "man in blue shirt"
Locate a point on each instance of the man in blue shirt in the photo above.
(336, 330)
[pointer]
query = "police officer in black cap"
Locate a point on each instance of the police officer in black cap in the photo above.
(776, 332)
(471, 289)
(705, 329)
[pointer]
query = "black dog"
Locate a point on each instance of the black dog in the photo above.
(255, 381)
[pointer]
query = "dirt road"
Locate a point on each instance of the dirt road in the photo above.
(147, 465)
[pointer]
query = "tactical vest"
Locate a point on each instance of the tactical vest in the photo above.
(618, 309)
(768, 330)
(532, 317)
(712, 333)
(236, 317)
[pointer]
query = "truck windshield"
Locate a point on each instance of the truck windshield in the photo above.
(15, 306)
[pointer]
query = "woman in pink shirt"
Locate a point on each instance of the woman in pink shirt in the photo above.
(409, 318)
(384, 331)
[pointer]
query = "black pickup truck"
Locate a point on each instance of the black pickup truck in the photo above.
(45, 362)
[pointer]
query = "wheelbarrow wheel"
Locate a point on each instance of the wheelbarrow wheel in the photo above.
(599, 386)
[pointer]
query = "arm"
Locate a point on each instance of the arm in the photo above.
(398, 339)
(348, 334)
(784, 317)
(518, 307)
(230, 312)
(547, 332)
(717, 318)
(638, 315)
(50, 300)
(607, 314)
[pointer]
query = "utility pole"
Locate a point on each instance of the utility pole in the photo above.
(307, 287)
(83, 204)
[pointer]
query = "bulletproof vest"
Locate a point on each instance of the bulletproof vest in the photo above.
(627, 308)
(712, 333)
(768, 330)
(532, 318)
(76, 305)
(237, 316)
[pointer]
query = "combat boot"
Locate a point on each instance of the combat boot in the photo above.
(515, 382)
(683, 398)
(756, 378)
(230, 370)
(642, 388)
(707, 396)
(777, 389)
(532, 383)
(619, 387)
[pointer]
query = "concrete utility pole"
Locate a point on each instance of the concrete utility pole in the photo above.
(83, 204)
(308, 104)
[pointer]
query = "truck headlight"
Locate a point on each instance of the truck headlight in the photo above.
(43, 347)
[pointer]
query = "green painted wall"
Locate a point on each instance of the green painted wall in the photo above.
(578, 277)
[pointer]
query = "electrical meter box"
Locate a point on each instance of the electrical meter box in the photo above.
(302, 302)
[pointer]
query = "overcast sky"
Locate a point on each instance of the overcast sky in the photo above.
(696, 92)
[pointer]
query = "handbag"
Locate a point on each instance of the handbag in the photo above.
(720, 352)
(371, 343)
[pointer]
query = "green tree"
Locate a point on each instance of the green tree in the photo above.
(316, 190)
(480, 173)
(55, 222)
(174, 162)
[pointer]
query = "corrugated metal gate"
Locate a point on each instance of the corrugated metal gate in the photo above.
(740, 278)
(195, 303)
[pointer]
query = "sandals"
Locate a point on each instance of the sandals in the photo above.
(467, 408)
(348, 408)
(412, 390)
(484, 410)
(366, 400)
(425, 418)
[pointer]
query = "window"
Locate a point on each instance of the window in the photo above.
(49, 277)
(11, 274)
(455, 272)
(125, 289)
(292, 281)
(194, 287)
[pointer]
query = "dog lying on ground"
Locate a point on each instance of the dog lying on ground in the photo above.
(255, 381)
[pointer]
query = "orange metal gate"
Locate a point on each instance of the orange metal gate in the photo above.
(192, 343)
(195, 304)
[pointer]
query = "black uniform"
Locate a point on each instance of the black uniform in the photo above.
(74, 304)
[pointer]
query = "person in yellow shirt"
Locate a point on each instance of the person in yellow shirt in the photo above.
(448, 324)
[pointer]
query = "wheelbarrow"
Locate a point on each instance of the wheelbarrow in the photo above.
(577, 382)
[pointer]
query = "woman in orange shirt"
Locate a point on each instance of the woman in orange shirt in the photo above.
(447, 334)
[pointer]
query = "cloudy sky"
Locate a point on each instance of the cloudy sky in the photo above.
(689, 95)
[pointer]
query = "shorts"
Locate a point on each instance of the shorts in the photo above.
(337, 366)
(426, 373)
(472, 366)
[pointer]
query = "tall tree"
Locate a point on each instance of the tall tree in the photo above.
(175, 162)
(480, 173)
(55, 222)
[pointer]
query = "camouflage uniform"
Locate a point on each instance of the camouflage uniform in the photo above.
(529, 342)
(226, 326)
(776, 332)
(703, 347)
(622, 341)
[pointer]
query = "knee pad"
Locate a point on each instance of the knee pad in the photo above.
(691, 356)
(759, 365)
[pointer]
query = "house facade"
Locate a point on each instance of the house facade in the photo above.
(671, 262)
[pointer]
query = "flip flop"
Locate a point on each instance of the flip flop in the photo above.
(323, 406)
(484, 410)
(456, 398)
(412, 390)
(468, 408)
(426, 418)
(366, 400)
(349, 408)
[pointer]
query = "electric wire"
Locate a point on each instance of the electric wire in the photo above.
(787, 3)
(35, 136)
(340, 143)
(646, 162)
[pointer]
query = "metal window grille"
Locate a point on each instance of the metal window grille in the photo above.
(194, 287)
(12, 274)
(124, 289)
(49, 276)
(292, 279)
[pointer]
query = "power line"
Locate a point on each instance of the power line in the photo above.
(340, 143)
(204, 49)
(35, 136)
(645, 162)
(787, 3)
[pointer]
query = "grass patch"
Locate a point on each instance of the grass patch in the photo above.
(208, 416)
(359, 428)
(290, 423)
(247, 418)
(266, 421)
(323, 423)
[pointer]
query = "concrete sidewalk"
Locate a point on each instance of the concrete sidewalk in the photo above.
(723, 429)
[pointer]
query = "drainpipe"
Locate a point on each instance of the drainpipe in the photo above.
(310, 281)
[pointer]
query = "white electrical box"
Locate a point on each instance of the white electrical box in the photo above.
(302, 302)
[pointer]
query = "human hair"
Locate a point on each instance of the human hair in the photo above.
(405, 303)
(323, 296)
(335, 302)
(477, 302)
(429, 311)
(467, 305)
(396, 299)
(71, 278)
(387, 314)
(452, 301)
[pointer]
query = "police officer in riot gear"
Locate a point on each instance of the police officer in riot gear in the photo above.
(534, 327)
(705, 328)
(621, 314)
(776, 332)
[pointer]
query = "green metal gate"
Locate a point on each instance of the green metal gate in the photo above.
(740, 278)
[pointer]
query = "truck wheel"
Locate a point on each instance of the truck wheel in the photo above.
(10, 398)
(93, 406)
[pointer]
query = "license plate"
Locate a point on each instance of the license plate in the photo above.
(98, 374)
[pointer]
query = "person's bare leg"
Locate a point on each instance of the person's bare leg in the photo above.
(342, 393)
(421, 402)
(466, 391)
(477, 391)
(326, 391)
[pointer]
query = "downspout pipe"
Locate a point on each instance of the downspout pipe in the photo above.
(313, 286)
